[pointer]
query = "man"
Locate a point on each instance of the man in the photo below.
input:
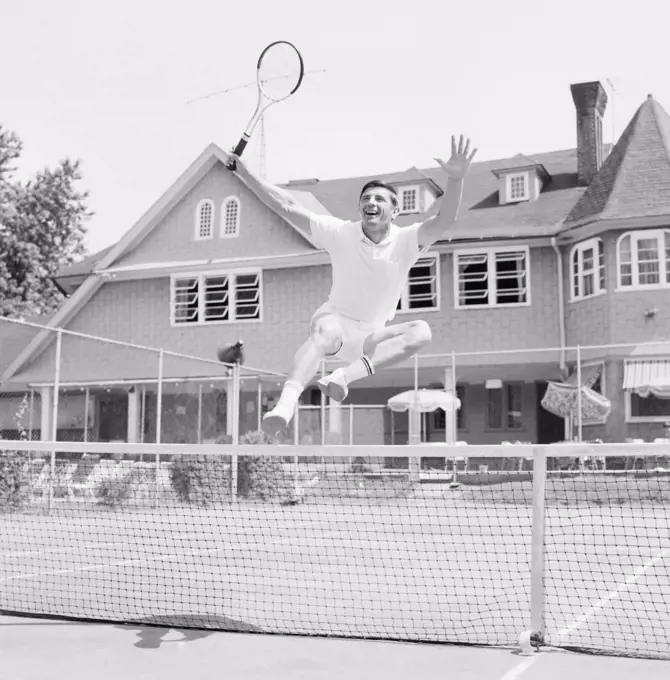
(371, 259)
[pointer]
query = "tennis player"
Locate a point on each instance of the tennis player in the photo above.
(371, 259)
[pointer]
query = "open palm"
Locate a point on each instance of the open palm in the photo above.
(458, 165)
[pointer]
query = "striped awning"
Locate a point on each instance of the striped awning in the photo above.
(649, 373)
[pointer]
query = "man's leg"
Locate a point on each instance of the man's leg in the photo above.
(381, 349)
(325, 338)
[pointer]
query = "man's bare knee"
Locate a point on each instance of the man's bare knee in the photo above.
(418, 335)
(327, 334)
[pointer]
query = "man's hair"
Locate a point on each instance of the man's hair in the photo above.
(382, 185)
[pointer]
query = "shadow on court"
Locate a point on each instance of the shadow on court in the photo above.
(152, 632)
(33, 649)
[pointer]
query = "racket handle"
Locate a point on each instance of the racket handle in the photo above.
(239, 149)
(241, 145)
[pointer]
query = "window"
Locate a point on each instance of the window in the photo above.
(230, 217)
(422, 289)
(492, 278)
(504, 407)
(438, 417)
(409, 200)
(588, 269)
(216, 298)
(204, 219)
(517, 187)
(644, 259)
(646, 409)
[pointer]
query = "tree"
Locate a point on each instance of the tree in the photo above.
(42, 228)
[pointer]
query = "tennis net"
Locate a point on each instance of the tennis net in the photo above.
(567, 545)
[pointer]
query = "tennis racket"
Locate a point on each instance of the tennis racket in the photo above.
(279, 73)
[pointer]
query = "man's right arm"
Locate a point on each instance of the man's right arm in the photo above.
(275, 198)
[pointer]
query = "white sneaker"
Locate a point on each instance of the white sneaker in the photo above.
(334, 386)
(275, 424)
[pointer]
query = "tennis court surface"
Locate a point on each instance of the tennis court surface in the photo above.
(322, 542)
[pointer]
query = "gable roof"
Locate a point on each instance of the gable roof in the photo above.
(634, 181)
(70, 277)
(15, 336)
(519, 162)
(97, 263)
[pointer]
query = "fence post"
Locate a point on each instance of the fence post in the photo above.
(537, 592)
(87, 396)
(159, 421)
(199, 412)
(54, 416)
(323, 406)
(235, 434)
(30, 417)
(579, 394)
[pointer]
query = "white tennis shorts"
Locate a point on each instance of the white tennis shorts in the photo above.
(354, 333)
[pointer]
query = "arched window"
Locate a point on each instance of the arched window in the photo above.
(587, 264)
(230, 217)
(204, 219)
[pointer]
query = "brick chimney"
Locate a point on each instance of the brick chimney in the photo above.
(590, 101)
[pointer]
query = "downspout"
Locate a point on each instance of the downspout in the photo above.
(561, 304)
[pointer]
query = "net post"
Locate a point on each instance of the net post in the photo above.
(54, 416)
(259, 404)
(535, 636)
(159, 420)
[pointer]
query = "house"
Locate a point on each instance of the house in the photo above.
(551, 251)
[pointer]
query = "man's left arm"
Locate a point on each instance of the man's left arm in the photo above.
(456, 169)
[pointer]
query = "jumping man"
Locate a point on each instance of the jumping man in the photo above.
(371, 259)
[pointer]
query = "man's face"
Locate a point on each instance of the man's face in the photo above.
(377, 207)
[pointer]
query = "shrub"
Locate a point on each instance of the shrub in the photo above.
(260, 476)
(14, 480)
(201, 480)
(119, 490)
(14, 469)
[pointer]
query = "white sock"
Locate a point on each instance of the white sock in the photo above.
(361, 368)
(289, 398)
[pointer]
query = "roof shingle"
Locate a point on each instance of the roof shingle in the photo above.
(634, 180)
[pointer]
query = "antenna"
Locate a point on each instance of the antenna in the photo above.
(262, 150)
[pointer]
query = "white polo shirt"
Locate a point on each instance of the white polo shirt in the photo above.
(368, 277)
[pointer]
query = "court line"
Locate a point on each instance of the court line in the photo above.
(520, 668)
(143, 561)
(640, 571)
(50, 551)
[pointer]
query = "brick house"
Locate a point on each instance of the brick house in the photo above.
(552, 251)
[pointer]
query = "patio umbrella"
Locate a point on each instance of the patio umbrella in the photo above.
(424, 401)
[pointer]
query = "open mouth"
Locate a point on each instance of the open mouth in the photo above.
(372, 212)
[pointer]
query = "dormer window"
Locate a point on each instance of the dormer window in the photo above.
(520, 179)
(517, 187)
(409, 200)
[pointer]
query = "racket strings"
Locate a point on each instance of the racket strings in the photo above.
(280, 71)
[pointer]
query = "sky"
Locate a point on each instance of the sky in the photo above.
(387, 84)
